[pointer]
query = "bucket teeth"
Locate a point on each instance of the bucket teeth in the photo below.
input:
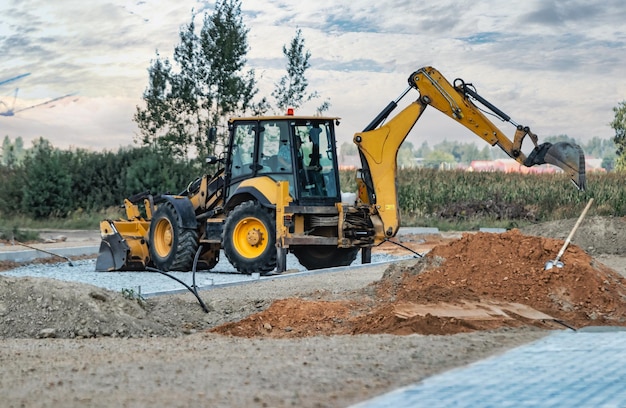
(567, 156)
(112, 254)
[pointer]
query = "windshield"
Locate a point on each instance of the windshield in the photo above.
(316, 158)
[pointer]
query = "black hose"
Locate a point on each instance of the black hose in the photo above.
(417, 254)
(468, 89)
(69, 261)
(193, 288)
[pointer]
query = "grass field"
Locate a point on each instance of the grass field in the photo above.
(448, 200)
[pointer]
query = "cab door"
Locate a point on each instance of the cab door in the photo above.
(316, 162)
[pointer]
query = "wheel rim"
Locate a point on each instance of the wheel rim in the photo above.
(250, 237)
(163, 237)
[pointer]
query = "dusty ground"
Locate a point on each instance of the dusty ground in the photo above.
(322, 340)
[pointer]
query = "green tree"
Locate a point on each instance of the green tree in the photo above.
(463, 153)
(348, 149)
(12, 152)
(608, 163)
(423, 151)
(559, 138)
(291, 89)
(159, 124)
(405, 156)
(7, 152)
(599, 148)
(47, 184)
(204, 85)
(11, 180)
(619, 125)
(436, 158)
(158, 175)
(223, 47)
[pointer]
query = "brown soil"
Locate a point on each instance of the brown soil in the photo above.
(453, 282)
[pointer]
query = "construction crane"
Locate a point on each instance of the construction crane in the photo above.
(14, 78)
(10, 110)
(6, 81)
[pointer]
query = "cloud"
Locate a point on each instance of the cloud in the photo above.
(555, 66)
(554, 12)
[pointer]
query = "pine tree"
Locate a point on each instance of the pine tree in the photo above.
(223, 45)
(202, 88)
(619, 125)
(291, 90)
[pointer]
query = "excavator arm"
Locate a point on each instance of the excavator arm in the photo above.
(379, 144)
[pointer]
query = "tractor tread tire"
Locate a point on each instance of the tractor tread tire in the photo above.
(185, 242)
(265, 262)
(321, 257)
(187, 247)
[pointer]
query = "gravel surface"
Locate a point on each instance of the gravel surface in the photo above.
(148, 283)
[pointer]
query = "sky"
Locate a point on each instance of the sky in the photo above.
(556, 66)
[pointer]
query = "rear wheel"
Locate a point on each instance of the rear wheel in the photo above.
(172, 248)
(250, 238)
(319, 257)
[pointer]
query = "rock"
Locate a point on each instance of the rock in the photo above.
(48, 333)
(84, 332)
(99, 296)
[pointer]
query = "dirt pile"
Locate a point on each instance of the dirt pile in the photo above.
(596, 235)
(480, 281)
(39, 307)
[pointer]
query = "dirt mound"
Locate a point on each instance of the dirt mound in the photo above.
(596, 235)
(49, 308)
(481, 281)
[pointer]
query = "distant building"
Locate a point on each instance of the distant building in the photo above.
(352, 162)
(349, 162)
(511, 166)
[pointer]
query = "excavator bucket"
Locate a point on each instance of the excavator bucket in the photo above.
(567, 156)
(113, 253)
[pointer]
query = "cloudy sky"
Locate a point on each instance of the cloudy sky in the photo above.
(556, 66)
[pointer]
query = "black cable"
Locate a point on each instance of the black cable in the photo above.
(402, 246)
(193, 289)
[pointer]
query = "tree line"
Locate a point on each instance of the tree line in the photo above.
(463, 153)
(50, 182)
(44, 181)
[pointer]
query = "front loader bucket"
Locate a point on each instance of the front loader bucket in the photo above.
(113, 253)
(567, 156)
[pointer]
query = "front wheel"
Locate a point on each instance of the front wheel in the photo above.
(250, 238)
(319, 257)
(172, 248)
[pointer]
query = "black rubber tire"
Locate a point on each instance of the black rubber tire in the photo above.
(171, 247)
(320, 257)
(249, 238)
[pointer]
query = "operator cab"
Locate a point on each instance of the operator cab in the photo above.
(300, 150)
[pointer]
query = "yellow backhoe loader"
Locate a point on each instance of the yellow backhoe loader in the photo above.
(277, 189)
